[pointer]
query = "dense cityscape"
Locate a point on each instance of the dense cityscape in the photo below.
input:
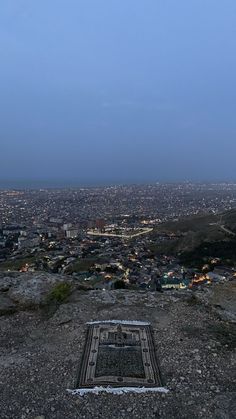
(117, 209)
(106, 236)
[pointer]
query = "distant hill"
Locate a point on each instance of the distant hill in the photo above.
(194, 239)
(184, 225)
(208, 224)
(229, 220)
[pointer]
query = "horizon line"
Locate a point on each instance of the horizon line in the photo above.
(62, 184)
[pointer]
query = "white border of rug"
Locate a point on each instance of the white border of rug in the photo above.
(117, 390)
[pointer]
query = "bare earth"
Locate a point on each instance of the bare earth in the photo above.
(41, 352)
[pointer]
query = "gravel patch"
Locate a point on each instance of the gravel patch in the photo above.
(40, 357)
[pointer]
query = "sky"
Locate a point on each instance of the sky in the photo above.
(114, 91)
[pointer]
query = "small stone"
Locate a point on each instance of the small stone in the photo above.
(199, 371)
(53, 409)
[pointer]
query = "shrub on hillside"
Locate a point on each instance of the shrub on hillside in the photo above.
(59, 293)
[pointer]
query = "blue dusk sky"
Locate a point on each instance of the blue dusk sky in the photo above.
(105, 91)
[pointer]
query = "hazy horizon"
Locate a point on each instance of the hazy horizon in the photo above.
(117, 92)
(67, 184)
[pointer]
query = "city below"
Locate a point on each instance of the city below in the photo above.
(129, 236)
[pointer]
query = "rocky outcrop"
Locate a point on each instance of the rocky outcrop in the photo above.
(27, 290)
(40, 355)
(7, 306)
(220, 298)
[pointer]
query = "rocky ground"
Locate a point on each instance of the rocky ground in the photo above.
(41, 349)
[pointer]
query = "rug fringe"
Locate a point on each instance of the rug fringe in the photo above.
(134, 322)
(117, 390)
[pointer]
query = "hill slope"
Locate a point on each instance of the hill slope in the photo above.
(41, 354)
(199, 236)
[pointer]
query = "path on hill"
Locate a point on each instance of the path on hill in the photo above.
(227, 230)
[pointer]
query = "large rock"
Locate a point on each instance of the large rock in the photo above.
(221, 299)
(6, 282)
(30, 289)
(7, 306)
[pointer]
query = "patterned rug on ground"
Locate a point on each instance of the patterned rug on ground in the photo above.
(119, 354)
